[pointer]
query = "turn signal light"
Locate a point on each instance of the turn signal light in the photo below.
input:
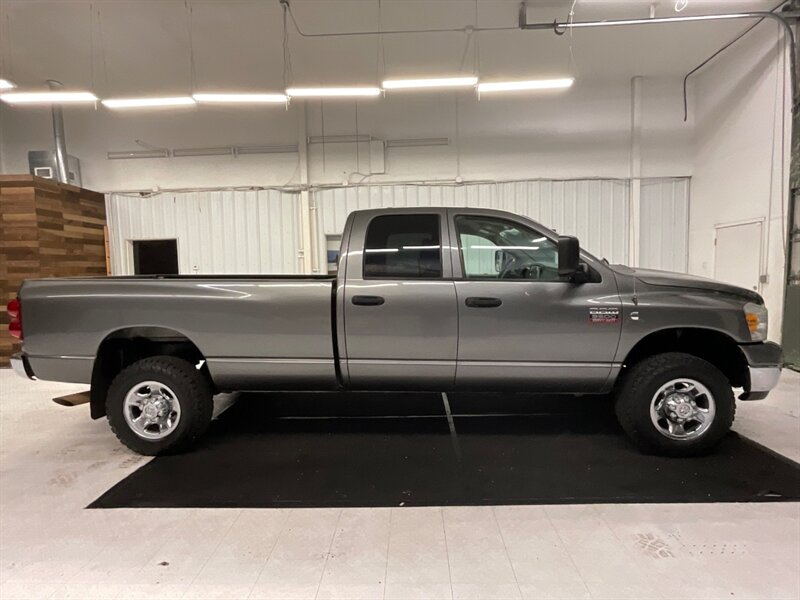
(756, 316)
(14, 309)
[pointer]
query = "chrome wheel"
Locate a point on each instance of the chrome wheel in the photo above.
(151, 410)
(682, 409)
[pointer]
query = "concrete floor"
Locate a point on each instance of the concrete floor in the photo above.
(54, 461)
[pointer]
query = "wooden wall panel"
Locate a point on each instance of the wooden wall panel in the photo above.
(48, 230)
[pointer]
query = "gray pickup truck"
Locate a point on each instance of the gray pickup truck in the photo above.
(438, 299)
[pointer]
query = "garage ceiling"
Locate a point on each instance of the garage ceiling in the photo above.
(125, 47)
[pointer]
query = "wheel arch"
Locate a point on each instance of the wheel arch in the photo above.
(713, 346)
(124, 346)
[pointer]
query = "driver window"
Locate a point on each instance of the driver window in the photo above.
(493, 248)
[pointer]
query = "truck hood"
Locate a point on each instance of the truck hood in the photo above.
(683, 280)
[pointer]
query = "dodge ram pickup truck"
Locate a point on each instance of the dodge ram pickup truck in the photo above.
(437, 299)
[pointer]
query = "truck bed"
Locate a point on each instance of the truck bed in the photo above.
(256, 330)
(259, 277)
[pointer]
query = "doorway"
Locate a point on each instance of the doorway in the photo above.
(155, 257)
(731, 264)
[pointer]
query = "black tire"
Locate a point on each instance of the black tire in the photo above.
(639, 387)
(191, 388)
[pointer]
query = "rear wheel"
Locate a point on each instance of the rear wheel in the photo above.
(159, 405)
(675, 404)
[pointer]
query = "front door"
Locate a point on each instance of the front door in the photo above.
(400, 316)
(521, 326)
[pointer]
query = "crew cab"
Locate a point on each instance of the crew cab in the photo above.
(438, 299)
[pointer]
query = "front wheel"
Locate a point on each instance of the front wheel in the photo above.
(675, 404)
(159, 405)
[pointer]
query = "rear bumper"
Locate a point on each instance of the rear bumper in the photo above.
(21, 366)
(764, 369)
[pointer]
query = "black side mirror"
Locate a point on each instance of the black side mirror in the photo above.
(569, 254)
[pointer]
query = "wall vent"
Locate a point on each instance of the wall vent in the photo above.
(42, 163)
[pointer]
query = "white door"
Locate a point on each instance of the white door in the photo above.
(737, 254)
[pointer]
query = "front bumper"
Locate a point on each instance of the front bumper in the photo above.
(19, 363)
(764, 362)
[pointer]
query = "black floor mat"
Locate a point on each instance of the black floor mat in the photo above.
(283, 450)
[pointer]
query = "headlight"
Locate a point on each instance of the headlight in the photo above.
(756, 317)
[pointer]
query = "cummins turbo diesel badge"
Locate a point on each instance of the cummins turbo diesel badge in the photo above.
(603, 315)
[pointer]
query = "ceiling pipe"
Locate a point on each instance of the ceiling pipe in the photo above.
(467, 29)
(559, 28)
(712, 57)
(62, 172)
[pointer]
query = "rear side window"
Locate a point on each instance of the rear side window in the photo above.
(403, 246)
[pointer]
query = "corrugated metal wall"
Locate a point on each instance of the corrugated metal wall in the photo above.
(664, 224)
(258, 231)
(217, 231)
(595, 210)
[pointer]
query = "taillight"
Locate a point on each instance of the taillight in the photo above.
(15, 329)
(14, 308)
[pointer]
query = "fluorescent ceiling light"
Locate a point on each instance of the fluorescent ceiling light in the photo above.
(241, 98)
(5, 84)
(439, 82)
(266, 149)
(47, 97)
(342, 92)
(148, 102)
(417, 142)
(533, 84)
(164, 153)
(339, 139)
(218, 151)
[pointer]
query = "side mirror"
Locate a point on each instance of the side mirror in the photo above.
(569, 253)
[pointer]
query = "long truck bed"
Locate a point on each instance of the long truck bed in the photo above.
(257, 331)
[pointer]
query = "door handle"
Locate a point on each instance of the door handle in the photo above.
(368, 300)
(478, 302)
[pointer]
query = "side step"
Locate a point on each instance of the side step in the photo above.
(73, 399)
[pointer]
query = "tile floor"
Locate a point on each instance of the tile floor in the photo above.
(54, 461)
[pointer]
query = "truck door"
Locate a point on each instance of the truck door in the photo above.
(399, 302)
(520, 325)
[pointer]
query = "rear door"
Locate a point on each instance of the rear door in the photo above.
(399, 302)
(521, 326)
